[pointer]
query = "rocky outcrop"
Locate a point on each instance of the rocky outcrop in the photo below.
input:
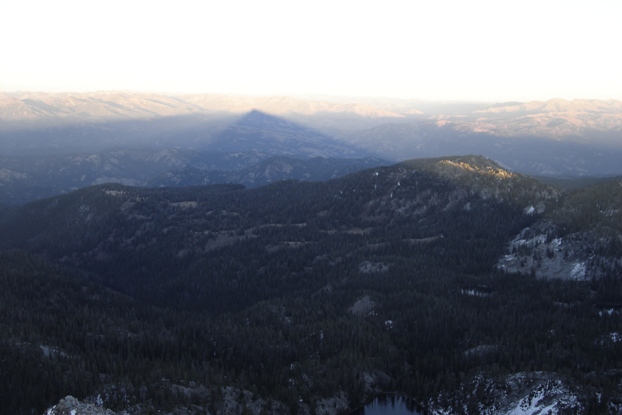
(72, 406)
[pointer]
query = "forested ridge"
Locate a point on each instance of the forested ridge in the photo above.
(383, 280)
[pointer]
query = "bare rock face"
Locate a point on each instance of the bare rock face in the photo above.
(71, 406)
(525, 393)
(363, 307)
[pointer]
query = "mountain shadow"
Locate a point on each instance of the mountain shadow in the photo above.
(261, 132)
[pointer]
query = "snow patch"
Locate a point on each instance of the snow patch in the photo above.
(363, 307)
(578, 271)
(474, 292)
(185, 205)
(608, 312)
(534, 393)
(547, 398)
(6, 174)
(116, 193)
(367, 267)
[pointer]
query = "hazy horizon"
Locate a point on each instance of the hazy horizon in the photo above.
(301, 96)
(480, 51)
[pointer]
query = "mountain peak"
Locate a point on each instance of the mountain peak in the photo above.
(486, 178)
(456, 166)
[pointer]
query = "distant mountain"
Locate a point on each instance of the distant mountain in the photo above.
(584, 121)
(550, 138)
(530, 155)
(75, 107)
(58, 108)
(552, 118)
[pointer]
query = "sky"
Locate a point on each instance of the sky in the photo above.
(502, 50)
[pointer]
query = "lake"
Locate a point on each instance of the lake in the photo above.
(388, 405)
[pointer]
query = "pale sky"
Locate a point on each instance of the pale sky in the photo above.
(443, 50)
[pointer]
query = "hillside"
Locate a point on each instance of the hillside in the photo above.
(581, 239)
(307, 297)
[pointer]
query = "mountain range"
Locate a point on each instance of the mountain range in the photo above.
(555, 138)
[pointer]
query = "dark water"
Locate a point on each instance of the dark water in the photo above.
(389, 405)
